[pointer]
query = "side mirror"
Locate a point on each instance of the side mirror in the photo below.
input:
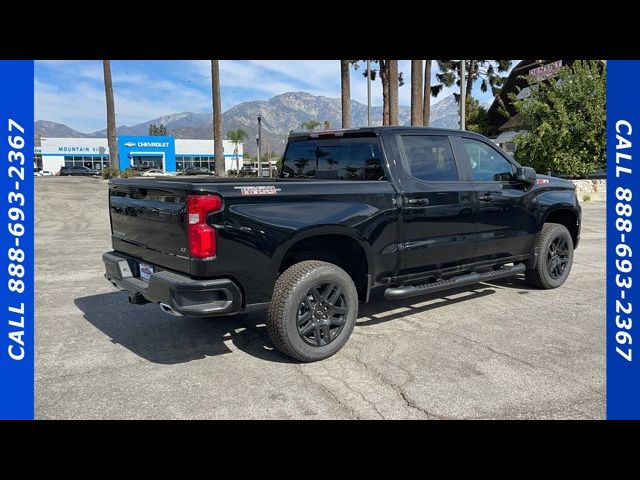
(526, 175)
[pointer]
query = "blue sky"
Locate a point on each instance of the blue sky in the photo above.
(72, 91)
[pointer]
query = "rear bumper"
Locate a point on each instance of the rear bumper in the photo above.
(185, 296)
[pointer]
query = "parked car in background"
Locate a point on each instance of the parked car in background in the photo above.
(155, 172)
(45, 173)
(79, 170)
(198, 171)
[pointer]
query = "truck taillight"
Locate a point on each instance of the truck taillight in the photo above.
(202, 237)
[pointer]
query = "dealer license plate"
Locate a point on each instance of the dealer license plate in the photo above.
(145, 271)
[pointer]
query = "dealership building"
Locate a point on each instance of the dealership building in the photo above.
(166, 153)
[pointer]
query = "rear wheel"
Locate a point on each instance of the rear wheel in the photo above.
(313, 310)
(554, 250)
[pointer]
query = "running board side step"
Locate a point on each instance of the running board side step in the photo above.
(408, 291)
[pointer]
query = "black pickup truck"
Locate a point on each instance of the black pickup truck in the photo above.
(393, 211)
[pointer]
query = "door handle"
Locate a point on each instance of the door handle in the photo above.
(418, 201)
(485, 197)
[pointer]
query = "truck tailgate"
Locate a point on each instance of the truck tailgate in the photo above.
(150, 217)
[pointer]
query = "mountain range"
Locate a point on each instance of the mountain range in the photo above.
(280, 115)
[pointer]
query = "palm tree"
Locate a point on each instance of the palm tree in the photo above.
(393, 92)
(301, 163)
(310, 125)
(416, 93)
(345, 84)
(426, 110)
(111, 116)
(384, 76)
(237, 136)
(218, 148)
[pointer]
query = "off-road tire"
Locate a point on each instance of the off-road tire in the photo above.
(290, 290)
(539, 276)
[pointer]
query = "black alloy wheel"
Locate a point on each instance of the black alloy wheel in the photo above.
(322, 314)
(557, 257)
(313, 310)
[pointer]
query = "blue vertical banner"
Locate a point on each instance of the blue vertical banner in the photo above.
(16, 240)
(623, 247)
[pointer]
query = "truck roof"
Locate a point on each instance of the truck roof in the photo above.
(366, 131)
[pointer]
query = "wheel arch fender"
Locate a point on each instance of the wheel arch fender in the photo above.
(318, 233)
(566, 214)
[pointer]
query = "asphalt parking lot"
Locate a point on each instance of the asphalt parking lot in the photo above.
(498, 350)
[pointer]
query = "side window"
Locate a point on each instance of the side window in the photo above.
(429, 158)
(486, 163)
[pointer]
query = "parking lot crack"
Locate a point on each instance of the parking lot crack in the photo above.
(323, 387)
(398, 388)
(360, 394)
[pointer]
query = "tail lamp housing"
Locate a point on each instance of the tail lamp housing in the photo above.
(202, 236)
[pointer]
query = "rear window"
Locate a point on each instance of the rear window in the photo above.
(335, 158)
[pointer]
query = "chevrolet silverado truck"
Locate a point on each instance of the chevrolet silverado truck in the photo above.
(384, 211)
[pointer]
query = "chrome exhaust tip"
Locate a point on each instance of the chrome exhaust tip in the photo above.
(167, 309)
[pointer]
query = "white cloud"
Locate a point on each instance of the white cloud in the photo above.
(82, 105)
(271, 77)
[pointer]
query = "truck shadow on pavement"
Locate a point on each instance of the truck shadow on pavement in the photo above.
(162, 338)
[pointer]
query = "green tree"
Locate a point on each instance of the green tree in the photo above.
(565, 121)
(486, 71)
(237, 136)
(326, 125)
(159, 130)
(477, 118)
(310, 125)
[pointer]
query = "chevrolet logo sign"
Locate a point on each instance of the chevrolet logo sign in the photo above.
(130, 144)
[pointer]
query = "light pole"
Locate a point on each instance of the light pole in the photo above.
(259, 146)
(463, 95)
(368, 93)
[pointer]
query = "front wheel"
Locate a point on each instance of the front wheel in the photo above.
(554, 250)
(313, 310)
